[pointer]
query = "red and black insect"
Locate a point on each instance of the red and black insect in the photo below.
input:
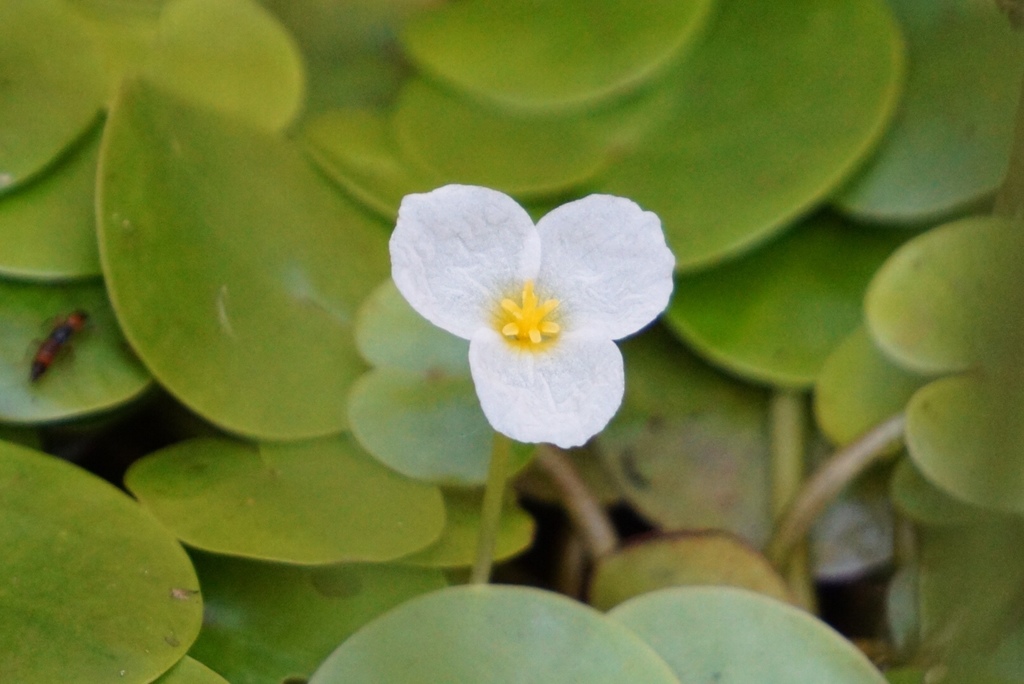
(57, 338)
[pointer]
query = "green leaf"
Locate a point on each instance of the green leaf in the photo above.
(48, 227)
(953, 300)
(955, 561)
(264, 623)
(92, 588)
(234, 268)
(762, 132)
(546, 55)
(94, 371)
(123, 32)
(51, 85)
(950, 143)
(429, 427)
(775, 315)
(459, 140)
(357, 150)
(316, 502)
(495, 634)
(966, 433)
(389, 333)
(934, 305)
(458, 543)
(253, 71)
(689, 449)
(925, 503)
(685, 559)
(189, 671)
(732, 636)
(418, 412)
(858, 388)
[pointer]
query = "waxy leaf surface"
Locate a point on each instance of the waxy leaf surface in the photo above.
(92, 587)
(234, 268)
(453, 636)
(323, 501)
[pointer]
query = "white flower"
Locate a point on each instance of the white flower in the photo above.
(540, 304)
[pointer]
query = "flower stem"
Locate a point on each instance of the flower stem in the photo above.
(587, 513)
(827, 482)
(490, 514)
(788, 437)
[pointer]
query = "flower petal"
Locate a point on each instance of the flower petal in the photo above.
(457, 250)
(564, 394)
(606, 260)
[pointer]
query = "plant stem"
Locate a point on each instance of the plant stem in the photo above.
(827, 482)
(788, 433)
(490, 514)
(587, 513)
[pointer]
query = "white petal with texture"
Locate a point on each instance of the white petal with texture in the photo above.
(605, 259)
(563, 394)
(456, 251)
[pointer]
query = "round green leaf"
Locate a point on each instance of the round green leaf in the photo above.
(689, 449)
(762, 133)
(190, 671)
(48, 228)
(316, 502)
(542, 54)
(925, 503)
(965, 434)
(932, 305)
(265, 622)
(775, 315)
(954, 562)
(357, 150)
(732, 636)
(92, 588)
(232, 56)
(390, 334)
(123, 31)
(234, 268)
(466, 142)
(458, 543)
(689, 559)
(494, 634)
(94, 371)
(51, 85)
(428, 427)
(858, 387)
(950, 143)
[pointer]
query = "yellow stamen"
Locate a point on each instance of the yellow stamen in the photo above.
(525, 323)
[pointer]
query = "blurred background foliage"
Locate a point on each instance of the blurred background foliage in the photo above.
(213, 182)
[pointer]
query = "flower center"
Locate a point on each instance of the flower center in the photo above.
(525, 323)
